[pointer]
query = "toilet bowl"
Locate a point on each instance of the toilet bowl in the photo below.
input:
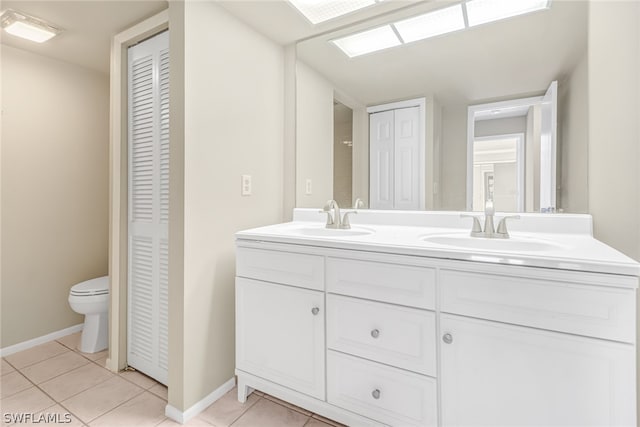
(91, 298)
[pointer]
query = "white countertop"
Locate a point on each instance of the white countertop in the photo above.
(559, 241)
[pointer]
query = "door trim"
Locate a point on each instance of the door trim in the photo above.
(118, 205)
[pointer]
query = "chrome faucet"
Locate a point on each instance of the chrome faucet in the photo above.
(334, 220)
(358, 203)
(490, 231)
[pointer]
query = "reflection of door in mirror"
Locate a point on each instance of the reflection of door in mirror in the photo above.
(342, 154)
(396, 155)
(516, 140)
(498, 172)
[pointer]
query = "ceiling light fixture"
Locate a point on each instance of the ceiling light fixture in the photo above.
(28, 27)
(317, 11)
(483, 11)
(431, 24)
(368, 41)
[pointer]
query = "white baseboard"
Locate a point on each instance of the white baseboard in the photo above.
(40, 340)
(183, 417)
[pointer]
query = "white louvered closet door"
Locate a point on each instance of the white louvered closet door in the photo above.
(148, 188)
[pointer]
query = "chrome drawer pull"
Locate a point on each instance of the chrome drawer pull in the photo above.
(447, 338)
(376, 394)
(375, 333)
(315, 311)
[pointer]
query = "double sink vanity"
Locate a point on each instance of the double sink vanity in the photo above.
(404, 319)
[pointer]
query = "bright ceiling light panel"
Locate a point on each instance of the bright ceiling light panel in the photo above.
(431, 24)
(28, 27)
(317, 11)
(483, 11)
(368, 41)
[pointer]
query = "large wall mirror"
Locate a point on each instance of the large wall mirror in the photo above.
(493, 64)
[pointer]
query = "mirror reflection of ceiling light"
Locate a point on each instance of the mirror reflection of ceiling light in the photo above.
(434, 23)
(431, 24)
(483, 11)
(317, 11)
(27, 27)
(368, 41)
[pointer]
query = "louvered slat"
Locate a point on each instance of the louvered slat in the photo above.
(163, 344)
(164, 136)
(140, 293)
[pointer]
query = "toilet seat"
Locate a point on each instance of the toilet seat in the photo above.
(93, 287)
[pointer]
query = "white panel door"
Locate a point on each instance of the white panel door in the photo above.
(381, 160)
(495, 374)
(280, 334)
(148, 188)
(548, 147)
(407, 152)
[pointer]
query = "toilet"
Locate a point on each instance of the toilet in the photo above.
(91, 298)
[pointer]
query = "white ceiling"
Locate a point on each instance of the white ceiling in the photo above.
(518, 55)
(88, 25)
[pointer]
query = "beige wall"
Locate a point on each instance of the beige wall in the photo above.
(233, 124)
(55, 119)
(453, 169)
(500, 126)
(314, 137)
(342, 156)
(573, 136)
(614, 117)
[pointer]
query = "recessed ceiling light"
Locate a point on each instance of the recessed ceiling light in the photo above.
(368, 41)
(431, 24)
(317, 11)
(483, 11)
(28, 27)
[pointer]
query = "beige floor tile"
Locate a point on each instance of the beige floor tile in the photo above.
(144, 410)
(160, 391)
(71, 341)
(224, 411)
(95, 356)
(31, 400)
(287, 404)
(328, 421)
(138, 379)
(13, 383)
(6, 367)
(194, 422)
(57, 365)
(73, 382)
(36, 354)
(55, 415)
(314, 422)
(102, 398)
(266, 413)
(102, 362)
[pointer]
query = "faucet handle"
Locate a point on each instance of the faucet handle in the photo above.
(345, 219)
(330, 204)
(476, 230)
(329, 217)
(358, 203)
(501, 231)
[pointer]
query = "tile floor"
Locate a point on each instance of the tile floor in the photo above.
(57, 381)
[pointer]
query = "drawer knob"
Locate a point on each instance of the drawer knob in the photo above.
(375, 333)
(376, 394)
(447, 338)
(315, 311)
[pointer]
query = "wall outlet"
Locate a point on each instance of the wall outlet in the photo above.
(308, 187)
(246, 185)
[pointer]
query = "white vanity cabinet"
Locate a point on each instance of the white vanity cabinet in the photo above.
(370, 338)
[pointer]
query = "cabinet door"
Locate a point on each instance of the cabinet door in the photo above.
(280, 334)
(494, 374)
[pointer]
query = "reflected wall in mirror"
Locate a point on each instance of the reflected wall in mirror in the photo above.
(513, 58)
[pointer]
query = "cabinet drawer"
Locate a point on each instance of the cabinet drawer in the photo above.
(398, 336)
(564, 306)
(289, 268)
(395, 283)
(389, 395)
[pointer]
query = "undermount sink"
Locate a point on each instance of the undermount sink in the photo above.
(332, 232)
(526, 244)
